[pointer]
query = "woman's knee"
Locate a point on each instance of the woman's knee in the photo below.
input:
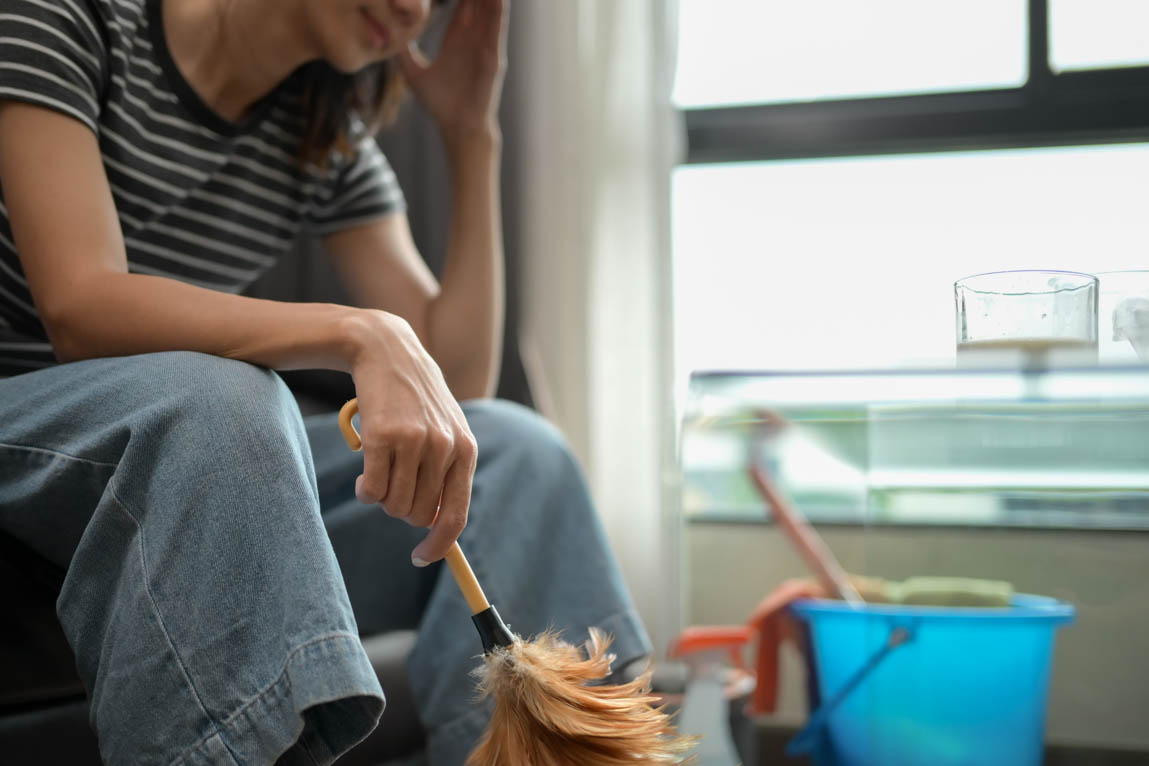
(517, 435)
(223, 444)
(223, 401)
(229, 383)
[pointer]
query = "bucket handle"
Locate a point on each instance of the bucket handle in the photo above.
(805, 740)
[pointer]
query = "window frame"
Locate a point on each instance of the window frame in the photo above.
(1073, 108)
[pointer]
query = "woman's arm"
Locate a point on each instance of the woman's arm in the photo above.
(71, 248)
(460, 321)
(416, 440)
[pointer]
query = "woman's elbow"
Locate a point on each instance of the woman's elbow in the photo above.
(64, 328)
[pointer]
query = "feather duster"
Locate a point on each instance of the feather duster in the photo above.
(551, 707)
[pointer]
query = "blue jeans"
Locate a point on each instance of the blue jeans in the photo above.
(220, 571)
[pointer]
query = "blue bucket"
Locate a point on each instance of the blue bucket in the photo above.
(931, 686)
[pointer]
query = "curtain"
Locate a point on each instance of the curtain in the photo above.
(595, 138)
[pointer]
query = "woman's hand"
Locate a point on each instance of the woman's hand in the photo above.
(461, 88)
(418, 452)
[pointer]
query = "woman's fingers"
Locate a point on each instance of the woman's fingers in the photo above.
(373, 483)
(453, 508)
(407, 471)
(496, 18)
(426, 481)
(437, 458)
(408, 443)
(420, 453)
(413, 61)
(466, 12)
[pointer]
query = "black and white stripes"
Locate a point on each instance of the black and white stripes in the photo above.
(199, 199)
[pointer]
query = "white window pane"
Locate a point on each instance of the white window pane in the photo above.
(851, 262)
(762, 51)
(1094, 34)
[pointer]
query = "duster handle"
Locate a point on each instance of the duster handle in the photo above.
(456, 561)
(466, 580)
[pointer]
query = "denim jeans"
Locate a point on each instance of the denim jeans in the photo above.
(220, 570)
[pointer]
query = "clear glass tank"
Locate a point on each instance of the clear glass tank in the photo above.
(1054, 448)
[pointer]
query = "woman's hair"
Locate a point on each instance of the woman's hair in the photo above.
(338, 108)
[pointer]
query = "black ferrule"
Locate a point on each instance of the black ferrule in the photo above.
(492, 630)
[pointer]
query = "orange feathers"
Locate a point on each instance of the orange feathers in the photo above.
(547, 713)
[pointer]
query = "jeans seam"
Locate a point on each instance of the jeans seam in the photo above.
(163, 626)
(58, 453)
(226, 724)
(283, 670)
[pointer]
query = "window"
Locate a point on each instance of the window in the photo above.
(808, 226)
(810, 264)
(737, 52)
(1095, 34)
(846, 162)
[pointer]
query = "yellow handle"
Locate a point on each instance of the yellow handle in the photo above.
(456, 561)
(466, 580)
(350, 435)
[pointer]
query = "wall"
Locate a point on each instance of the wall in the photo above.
(1100, 689)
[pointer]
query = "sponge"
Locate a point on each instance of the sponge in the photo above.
(950, 591)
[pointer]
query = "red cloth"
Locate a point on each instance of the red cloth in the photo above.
(774, 624)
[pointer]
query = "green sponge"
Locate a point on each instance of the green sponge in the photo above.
(949, 591)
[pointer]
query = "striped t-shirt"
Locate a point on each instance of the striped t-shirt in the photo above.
(199, 198)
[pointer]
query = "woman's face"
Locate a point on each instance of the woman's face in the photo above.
(353, 34)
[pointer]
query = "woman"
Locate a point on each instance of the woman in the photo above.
(155, 157)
